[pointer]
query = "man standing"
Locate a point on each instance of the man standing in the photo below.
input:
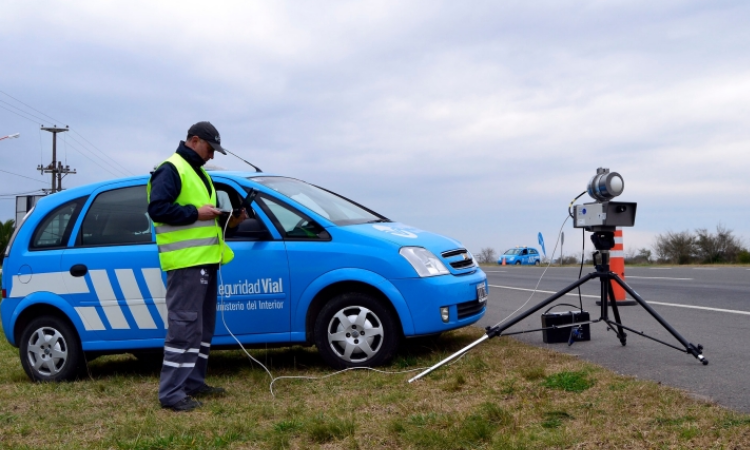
(182, 204)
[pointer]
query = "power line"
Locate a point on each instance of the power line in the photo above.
(126, 172)
(93, 161)
(20, 115)
(22, 176)
(97, 148)
(28, 106)
(20, 193)
(114, 164)
(25, 112)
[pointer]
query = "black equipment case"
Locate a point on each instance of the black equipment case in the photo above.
(556, 335)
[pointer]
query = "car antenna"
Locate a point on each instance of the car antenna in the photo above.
(257, 169)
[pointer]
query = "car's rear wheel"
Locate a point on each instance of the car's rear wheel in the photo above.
(50, 350)
(355, 330)
(537, 262)
(518, 263)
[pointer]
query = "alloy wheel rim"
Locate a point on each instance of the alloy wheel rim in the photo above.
(355, 334)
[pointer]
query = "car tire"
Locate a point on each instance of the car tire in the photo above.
(518, 263)
(537, 263)
(50, 350)
(355, 330)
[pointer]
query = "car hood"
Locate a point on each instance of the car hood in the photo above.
(405, 235)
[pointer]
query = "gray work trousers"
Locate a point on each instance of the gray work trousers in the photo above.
(191, 315)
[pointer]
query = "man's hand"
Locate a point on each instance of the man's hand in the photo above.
(208, 212)
(234, 221)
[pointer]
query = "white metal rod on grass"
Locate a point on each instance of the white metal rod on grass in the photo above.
(451, 357)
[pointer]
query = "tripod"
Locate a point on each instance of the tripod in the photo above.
(604, 241)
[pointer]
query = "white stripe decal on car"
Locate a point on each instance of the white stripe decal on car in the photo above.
(90, 318)
(157, 291)
(133, 298)
(54, 282)
(107, 300)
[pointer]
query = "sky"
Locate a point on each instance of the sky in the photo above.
(477, 120)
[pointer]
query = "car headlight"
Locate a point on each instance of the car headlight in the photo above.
(424, 262)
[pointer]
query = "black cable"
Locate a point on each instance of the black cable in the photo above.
(570, 213)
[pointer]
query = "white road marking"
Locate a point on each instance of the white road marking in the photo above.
(542, 292)
(732, 311)
(659, 278)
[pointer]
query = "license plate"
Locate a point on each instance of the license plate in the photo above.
(481, 293)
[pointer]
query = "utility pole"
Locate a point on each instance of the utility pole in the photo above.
(56, 167)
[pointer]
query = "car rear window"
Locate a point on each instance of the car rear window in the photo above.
(117, 217)
(54, 231)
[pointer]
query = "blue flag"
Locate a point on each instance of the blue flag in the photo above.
(541, 242)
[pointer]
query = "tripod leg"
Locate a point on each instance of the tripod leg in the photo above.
(620, 332)
(498, 329)
(694, 350)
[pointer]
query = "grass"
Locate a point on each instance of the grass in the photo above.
(502, 395)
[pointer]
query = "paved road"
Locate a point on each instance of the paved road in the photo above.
(707, 306)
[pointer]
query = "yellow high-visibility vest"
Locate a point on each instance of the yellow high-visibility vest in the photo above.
(195, 244)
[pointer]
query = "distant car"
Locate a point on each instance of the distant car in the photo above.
(521, 255)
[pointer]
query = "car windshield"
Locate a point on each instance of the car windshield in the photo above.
(333, 207)
(513, 251)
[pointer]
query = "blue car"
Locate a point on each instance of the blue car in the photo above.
(521, 255)
(81, 277)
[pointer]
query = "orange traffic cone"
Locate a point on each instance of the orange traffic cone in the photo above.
(503, 260)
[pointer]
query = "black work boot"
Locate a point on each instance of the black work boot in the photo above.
(184, 405)
(208, 391)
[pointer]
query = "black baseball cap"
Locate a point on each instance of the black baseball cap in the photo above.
(208, 133)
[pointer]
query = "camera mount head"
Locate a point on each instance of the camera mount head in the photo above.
(603, 214)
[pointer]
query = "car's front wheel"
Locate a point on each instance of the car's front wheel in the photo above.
(518, 263)
(50, 350)
(355, 330)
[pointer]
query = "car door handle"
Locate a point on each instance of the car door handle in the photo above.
(79, 270)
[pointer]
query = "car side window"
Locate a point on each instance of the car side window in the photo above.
(533, 252)
(251, 229)
(117, 217)
(55, 229)
(292, 224)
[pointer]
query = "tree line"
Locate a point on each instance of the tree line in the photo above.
(6, 231)
(701, 246)
(684, 247)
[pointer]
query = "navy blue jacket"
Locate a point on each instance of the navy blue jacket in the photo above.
(166, 186)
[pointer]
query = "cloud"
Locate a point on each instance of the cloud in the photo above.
(481, 123)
